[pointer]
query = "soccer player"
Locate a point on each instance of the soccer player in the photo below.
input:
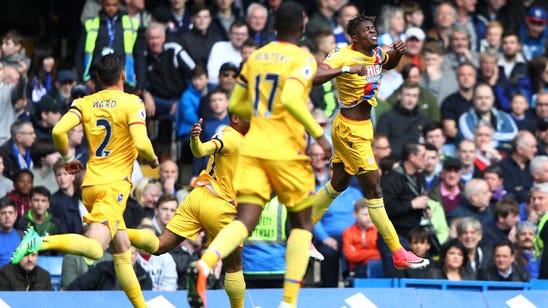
(272, 91)
(357, 71)
(210, 206)
(114, 124)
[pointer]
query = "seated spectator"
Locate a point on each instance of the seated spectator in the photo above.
(504, 227)
(227, 51)
(505, 128)
(12, 49)
(421, 245)
(48, 113)
(493, 176)
(64, 83)
(448, 190)
(431, 166)
(9, 236)
(142, 200)
(433, 133)
(203, 34)
(21, 189)
(541, 132)
(66, 203)
(25, 276)
(486, 153)
(256, 18)
(6, 185)
(38, 217)
(504, 268)
(359, 241)
(519, 105)
(466, 153)
(475, 202)
(469, 233)
(16, 151)
(162, 269)
(525, 248)
(453, 260)
(539, 169)
(44, 156)
(103, 277)
(169, 175)
(437, 79)
(163, 212)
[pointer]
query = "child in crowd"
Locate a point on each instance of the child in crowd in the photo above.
(13, 51)
(493, 36)
(360, 241)
(493, 176)
(66, 203)
(38, 216)
(518, 110)
(21, 190)
(420, 244)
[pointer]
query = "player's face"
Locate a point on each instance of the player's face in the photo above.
(166, 211)
(366, 35)
(39, 204)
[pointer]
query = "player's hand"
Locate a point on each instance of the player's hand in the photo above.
(399, 46)
(196, 129)
(326, 146)
(74, 166)
(357, 69)
(154, 163)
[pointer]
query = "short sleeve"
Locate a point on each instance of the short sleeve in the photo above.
(305, 71)
(334, 59)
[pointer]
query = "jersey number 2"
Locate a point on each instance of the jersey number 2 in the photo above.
(272, 78)
(101, 152)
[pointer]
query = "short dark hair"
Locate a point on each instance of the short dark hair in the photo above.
(218, 90)
(109, 69)
(420, 234)
(494, 169)
(40, 149)
(406, 70)
(505, 207)
(199, 70)
(21, 172)
(40, 190)
(7, 201)
(356, 21)
(430, 147)
(505, 242)
(410, 148)
(289, 18)
(430, 126)
(166, 198)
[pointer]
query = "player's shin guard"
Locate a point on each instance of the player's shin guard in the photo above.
(225, 242)
(127, 278)
(235, 289)
(144, 239)
(383, 223)
(322, 200)
(296, 258)
(75, 244)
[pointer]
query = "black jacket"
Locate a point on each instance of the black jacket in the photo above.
(491, 274)
(103, 277)
(14, 278)
(11, 166)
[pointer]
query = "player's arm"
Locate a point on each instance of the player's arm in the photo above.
(200, 149)
(292, 93)
(326, 73)
(60, 131)
(143, 145)
(394, 55)
(239, 104)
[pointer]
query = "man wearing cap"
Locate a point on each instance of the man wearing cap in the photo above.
(533, 32)
(65, 81)
(448, 190)
(414, 41)
(48, 113)
(227, 79)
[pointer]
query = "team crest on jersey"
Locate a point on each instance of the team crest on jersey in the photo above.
(330, 56)
(307, 72)
(120, 197)
(142, 114)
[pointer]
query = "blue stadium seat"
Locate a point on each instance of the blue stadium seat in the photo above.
(374, 269)
(376, 283)
(54, 265)
(538, 284)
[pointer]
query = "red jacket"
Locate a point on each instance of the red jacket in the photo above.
(359, 245)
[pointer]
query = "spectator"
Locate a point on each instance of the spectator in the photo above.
(189, 104)
(123, 40)
(227, 79)
(142, 200)
(136, 11)
(256, 18)
(461, 49)
(432, 133)
(322, 171)
(494, 178)
(539, 169)
(504, 268)
(413, 14)
(541, 134)
(48, 113)
(448, 190)
(513, 69)
(533, 32)
(38, 217)
(404, 191)
(518, 107)
(359, 241)
(44, 156)
(169, 175)
(163, 212)
(403, 124)
(75, 266)
(466, 153)
(323, 18)
(168, 69)
(162, 269)
(9, 236)
(458, 102)
(13, 52)
(347, 12)
(445, 16)
(225, 13)
(504, 226)
(539, 200)
(437, 79)
(517, 177)
(16, 151)
(486, 154)
(493, 36)
(420, 243)
(199, 40)
(66, 203)
(25, 276)
(505, 128)
(469, 233)
(525, 248)
(103, 277)
(539, 79)
(475, 202)
(391, 25)
(6, 185)
(227, 51)
(179, 20)
(41, 74)
(414, 40)
(473, 23)
(12, 102)
(431, 166)
(381, 147)
(65, 81)
(22, 185)
(453, 260)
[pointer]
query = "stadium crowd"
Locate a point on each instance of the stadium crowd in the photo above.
(461, 136)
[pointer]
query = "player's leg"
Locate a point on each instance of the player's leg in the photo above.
(370, 183)
(327, 193)
(234, 278)
(121, 253)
